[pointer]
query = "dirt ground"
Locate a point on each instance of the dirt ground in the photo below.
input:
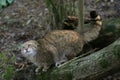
(27, 19)
(24, 20)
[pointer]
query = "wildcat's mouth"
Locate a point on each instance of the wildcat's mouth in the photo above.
(29, 51)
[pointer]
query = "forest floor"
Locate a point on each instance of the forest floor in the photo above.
(22, 21)
(25, 20)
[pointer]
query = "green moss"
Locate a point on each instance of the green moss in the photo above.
(116, 51)
(111, 25)
(55, 75)
(61, 74)
(103, 63)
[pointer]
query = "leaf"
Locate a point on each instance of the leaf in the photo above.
(3, 3)
(10, 1)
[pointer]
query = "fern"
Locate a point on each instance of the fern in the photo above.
(4, 3)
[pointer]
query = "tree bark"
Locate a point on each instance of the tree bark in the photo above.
(80, 15)
(90, 67)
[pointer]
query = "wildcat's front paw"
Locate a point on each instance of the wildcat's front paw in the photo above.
(57, 64)
(38, 70)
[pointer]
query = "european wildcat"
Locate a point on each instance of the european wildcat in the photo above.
(58, 46)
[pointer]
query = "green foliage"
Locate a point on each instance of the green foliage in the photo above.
(111, 25)
(103, 63)
(116, 51)
(6, 65)
(8, 73)
(4, 3)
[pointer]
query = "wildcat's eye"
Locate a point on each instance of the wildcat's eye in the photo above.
(28, 45)
(35, 46)
(22, 47)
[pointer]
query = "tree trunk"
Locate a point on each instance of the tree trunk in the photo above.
(80, 15)
(90, 67)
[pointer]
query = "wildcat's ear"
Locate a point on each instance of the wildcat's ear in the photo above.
(96, 18)
(93, 14)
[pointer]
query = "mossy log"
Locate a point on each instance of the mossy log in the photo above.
(90, 67)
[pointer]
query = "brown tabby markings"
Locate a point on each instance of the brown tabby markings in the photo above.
(58, 46)
(67, 43)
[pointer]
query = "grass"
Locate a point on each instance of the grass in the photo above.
(6, 65)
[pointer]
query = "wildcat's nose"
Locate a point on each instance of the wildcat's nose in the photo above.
(26, 49)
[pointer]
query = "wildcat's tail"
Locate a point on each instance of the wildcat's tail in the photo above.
(96, 23)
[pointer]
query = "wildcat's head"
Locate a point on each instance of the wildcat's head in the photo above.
(29, 49)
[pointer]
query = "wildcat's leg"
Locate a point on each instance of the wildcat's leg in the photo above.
(62, 60)
(38, 69)
(45, 67)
